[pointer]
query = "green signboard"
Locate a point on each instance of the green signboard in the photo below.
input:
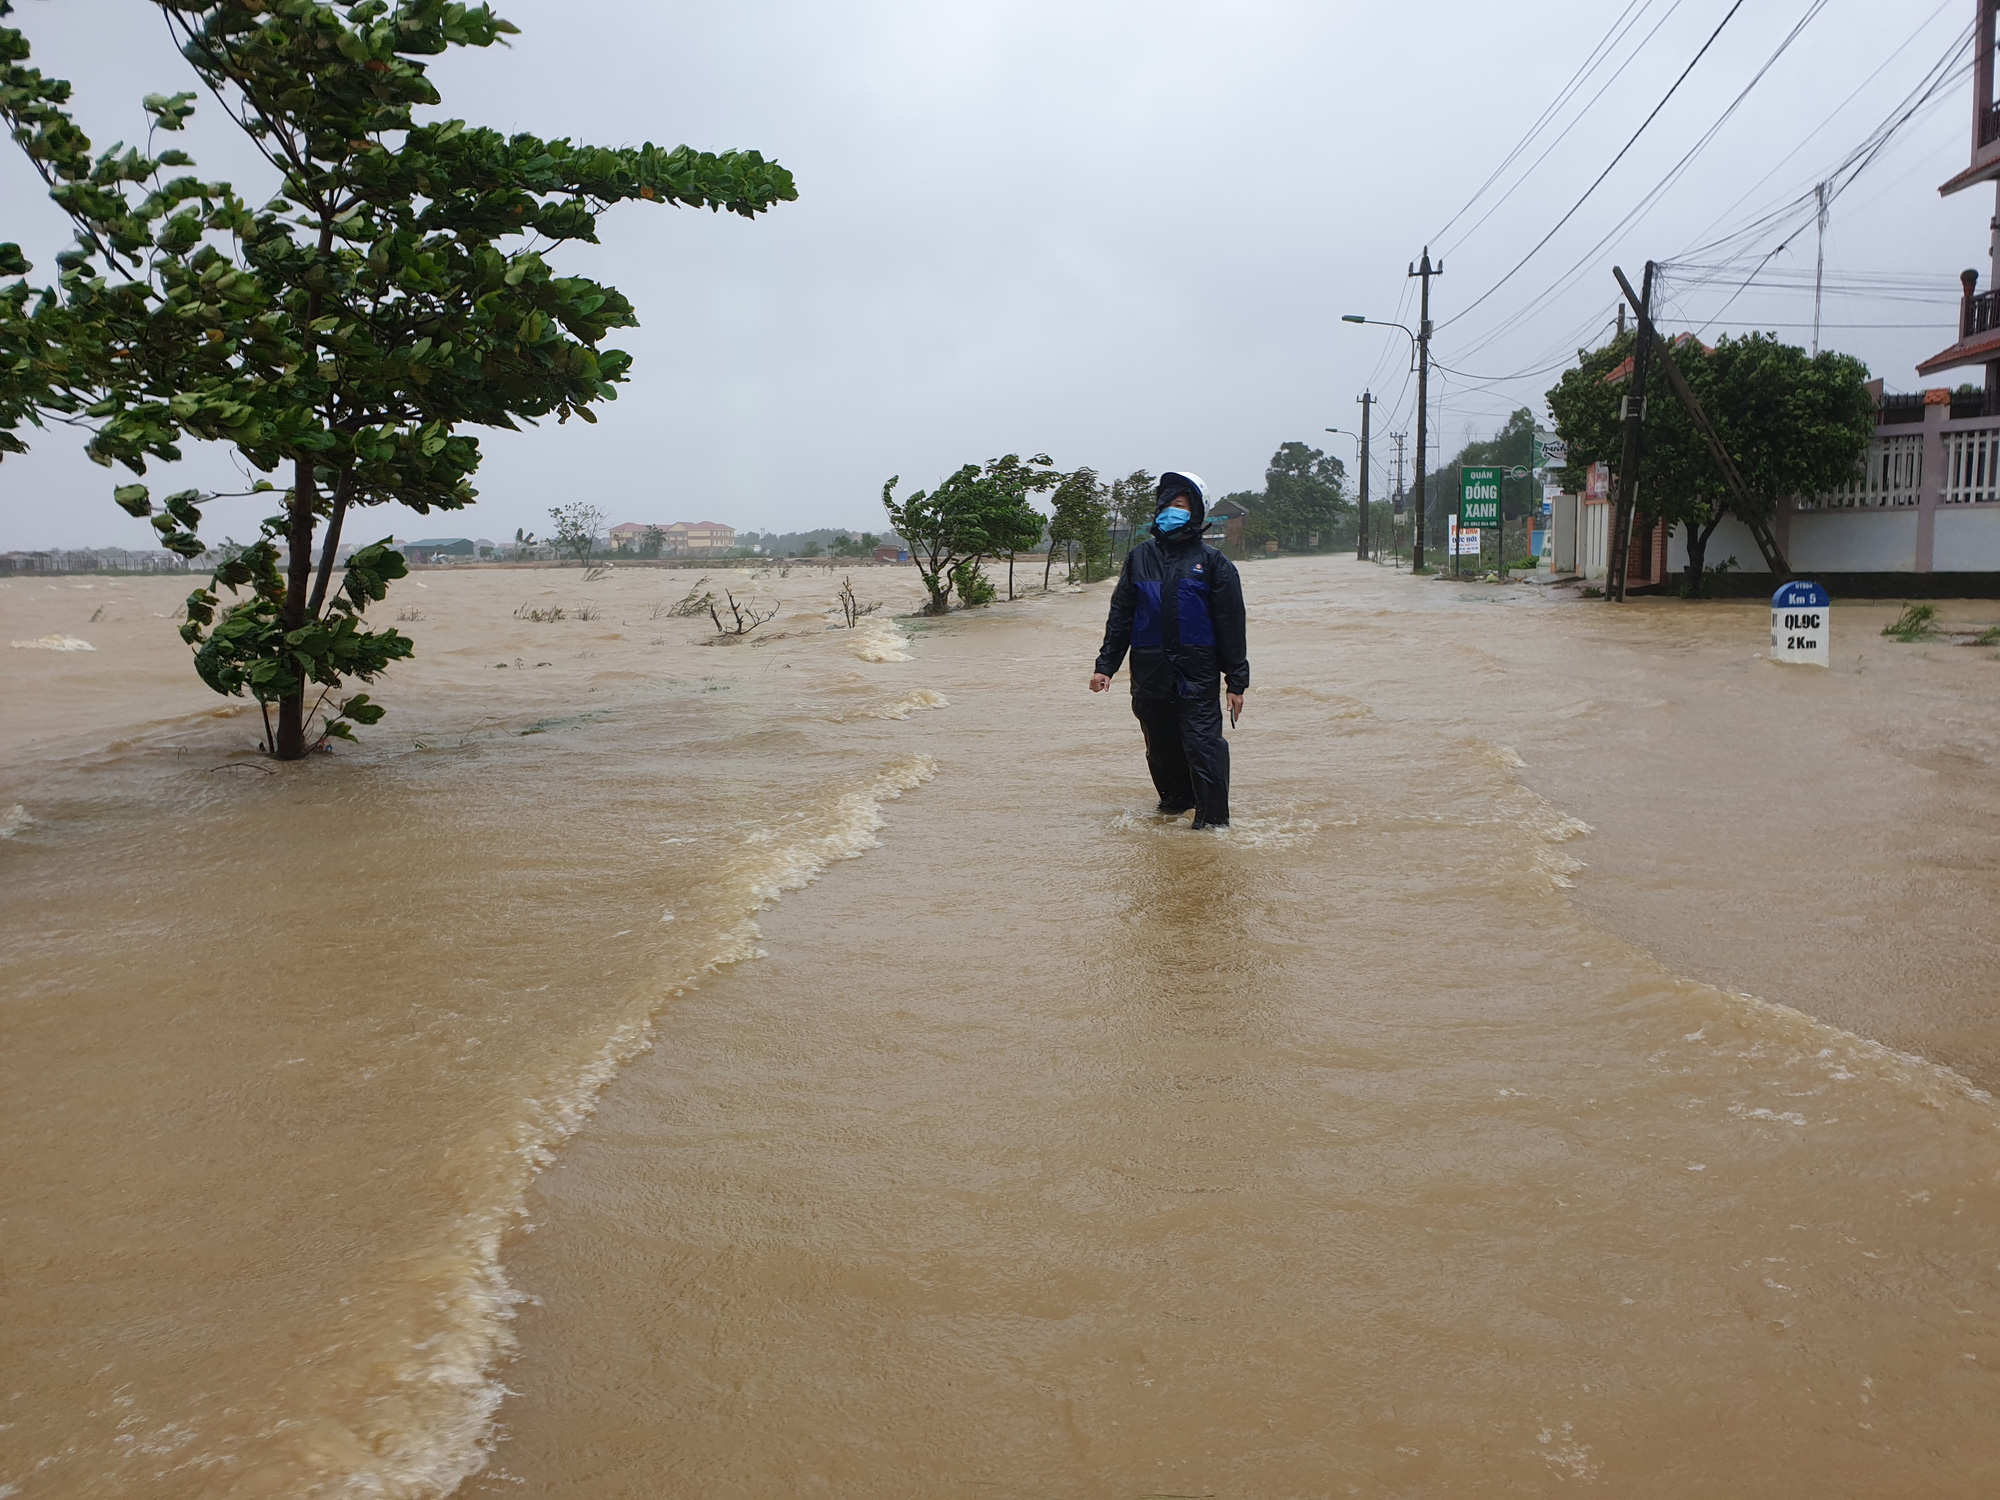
(1479, 498)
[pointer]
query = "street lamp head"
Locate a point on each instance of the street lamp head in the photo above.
(1352, 318)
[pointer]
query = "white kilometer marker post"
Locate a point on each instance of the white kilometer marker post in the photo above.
(1801, 625)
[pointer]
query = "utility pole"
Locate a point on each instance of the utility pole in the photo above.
(1426, 271)
(1634, 447)
(1367, 401)
(1396, 534)
(1819, 270)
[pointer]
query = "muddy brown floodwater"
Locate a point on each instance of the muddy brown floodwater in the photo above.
(650, 1068)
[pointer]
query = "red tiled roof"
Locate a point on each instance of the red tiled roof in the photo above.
(1973, 351)
(1624, 370)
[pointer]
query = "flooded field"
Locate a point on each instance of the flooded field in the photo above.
(1570, 1068)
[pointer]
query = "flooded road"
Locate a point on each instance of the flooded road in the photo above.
(1413, 1137)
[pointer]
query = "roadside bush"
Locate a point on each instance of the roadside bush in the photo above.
(1917, 622)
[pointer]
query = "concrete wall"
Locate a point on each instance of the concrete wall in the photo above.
(1732, 539)
(1834, 541)
(1562, 512)
(1593, 543)
(1854, 541)
(1967, 539)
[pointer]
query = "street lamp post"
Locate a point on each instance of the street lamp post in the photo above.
(1361, 459)
(1420, 357)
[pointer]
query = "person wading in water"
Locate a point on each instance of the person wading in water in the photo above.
(1178, 608)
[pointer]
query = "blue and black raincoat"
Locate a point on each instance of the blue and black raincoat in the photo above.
(1178, 610)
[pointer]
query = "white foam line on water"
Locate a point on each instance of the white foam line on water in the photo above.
(1838, 1053)
(1830, 1046)
(898, 708)
(876, 639)
(54, 643)
(454, 1389)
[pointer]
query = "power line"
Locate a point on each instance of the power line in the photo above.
(1813, 134)
(1603, 48)
(1660, 188)
(1643, 124)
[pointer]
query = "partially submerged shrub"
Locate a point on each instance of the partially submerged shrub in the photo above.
(1917, 622)
(694, 602)
(972, 585)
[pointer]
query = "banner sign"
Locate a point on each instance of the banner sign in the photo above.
(1479, 498)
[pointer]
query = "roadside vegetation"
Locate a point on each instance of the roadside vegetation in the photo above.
(340, 325)
(1793, 423)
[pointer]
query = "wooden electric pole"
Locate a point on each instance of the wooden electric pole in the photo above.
(1425, 270)
(1367, 401)
(1746, 510)
(1634, 447)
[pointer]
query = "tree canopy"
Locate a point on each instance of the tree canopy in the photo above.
(390, 288)
(1082, 523)
(1304, 495)
(1793, 423)
(973, 514)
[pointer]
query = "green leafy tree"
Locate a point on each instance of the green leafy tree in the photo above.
(974, 514)
(342, 329)
(1793, 423)
(577, 528)
(846, 545)
(1012, 525)
(1303, 495)
(937, 525)
(1081, 525)
(654, 542)
(1132, 504)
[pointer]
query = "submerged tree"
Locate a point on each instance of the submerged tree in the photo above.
(974, 514)
(390, 291)
(1082, 525)
(936, 524)
(1012, 525)
(578, 526)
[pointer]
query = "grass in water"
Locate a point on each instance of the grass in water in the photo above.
(1917, 622)
(1991, 638)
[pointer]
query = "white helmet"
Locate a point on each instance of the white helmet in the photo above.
(1200, 489)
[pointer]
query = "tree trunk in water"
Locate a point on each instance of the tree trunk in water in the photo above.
(298, 583)
(1697, 545)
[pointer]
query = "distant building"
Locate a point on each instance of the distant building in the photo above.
(891, 555)
(629, 536)
(1231, 515)
(682, 539)
(704, 538)
(440, 549)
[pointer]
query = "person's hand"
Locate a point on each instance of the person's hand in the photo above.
(1099, 682)
(1235, 706)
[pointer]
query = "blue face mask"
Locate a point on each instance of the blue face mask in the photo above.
(1173, 518)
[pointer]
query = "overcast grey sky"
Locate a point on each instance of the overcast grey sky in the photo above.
(1121, 233)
